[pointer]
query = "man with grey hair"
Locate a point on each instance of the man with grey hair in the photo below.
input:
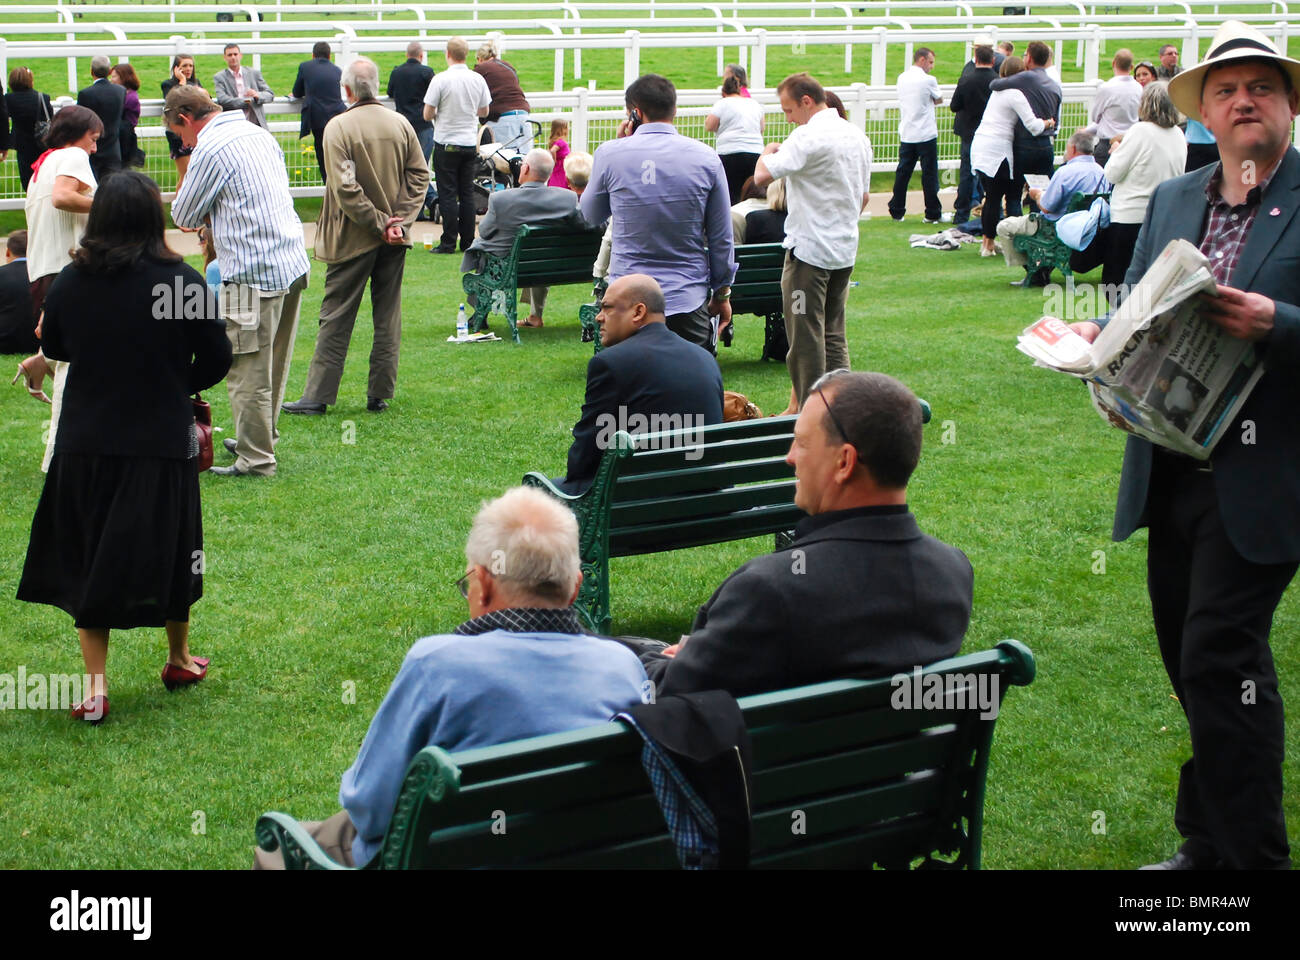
(1081, 173)
(107, 100)
(534, 204)
(377, 184)
(861, 591)
(521, 666)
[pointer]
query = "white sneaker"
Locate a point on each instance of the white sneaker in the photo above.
(988, 253)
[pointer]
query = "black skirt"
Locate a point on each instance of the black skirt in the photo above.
(117, 541)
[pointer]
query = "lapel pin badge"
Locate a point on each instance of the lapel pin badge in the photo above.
(1275, 212)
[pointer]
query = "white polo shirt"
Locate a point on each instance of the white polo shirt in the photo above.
(917, 91)
(827, 166)
(458, 93)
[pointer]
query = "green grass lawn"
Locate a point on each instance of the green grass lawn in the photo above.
(320, 579)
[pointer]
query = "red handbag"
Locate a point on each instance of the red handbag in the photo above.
(203, 429)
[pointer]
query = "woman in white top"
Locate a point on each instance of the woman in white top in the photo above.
(1150, 152)
(991, 152)
(58, 202)
(738, 122)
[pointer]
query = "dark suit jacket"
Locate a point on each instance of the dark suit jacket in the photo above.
(26, 108)
(533, 203)
(317, 85)
(969, 100)
(861, 593)
(407, 85)
(17, 324)
(654, 372)
(1044, 96)
(107, 100)
(1258, 484)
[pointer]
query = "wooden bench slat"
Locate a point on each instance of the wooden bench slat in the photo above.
(706, 530)
(707, 453)
(720, 480)
(895, 840)
(632, 513)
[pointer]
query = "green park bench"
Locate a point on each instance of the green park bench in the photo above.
(539, 257)
(671, 489)
(756, 289)
(1044, 248)
(842, 777)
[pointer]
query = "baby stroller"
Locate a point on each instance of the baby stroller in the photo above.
(497, 168)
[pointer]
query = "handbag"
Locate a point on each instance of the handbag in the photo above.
(203, 430)
(41, 127)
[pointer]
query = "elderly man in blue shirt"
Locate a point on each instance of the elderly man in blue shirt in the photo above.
(1080, 173)
(667, 195)
(521, 666)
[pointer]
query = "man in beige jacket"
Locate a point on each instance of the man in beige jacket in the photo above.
(376, 184)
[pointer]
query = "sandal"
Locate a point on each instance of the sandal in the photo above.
(34, 381)
(528, 321)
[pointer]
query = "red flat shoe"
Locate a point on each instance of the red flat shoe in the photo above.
(93, 711)
(173, 676)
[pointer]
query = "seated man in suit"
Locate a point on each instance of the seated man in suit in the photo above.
(862, 591)
(107, 100)
(521, 666)
(534, 203)
(17, 325)
(645, 374)
(242, 88)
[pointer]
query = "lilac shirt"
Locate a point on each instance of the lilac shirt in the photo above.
(671, 211)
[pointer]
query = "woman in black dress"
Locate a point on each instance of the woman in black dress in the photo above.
(27, 107)
(182, 72)
(117, 539)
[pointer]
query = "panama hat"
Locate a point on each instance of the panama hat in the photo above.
(1233, 41)
(982, 40)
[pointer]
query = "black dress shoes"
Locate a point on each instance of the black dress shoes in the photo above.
(229, 445)
(1182, 860)
(230, 471)
(375, 405)
(303, 406)
(441, 249)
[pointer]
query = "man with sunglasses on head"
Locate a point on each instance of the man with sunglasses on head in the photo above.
(521, 666)
(861, 591)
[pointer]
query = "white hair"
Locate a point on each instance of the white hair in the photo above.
(530, 539)
(361, 76)
(541, 163)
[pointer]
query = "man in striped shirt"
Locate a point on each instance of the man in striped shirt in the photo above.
(237, 183)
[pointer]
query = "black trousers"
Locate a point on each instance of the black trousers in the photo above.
(738, 167)
(1201, 155)
(1213, 610)
(318, 137)
(1031, 156)
(1113, 248)
(997, 192)
(453, 168)
(909, 154)
(695, 326)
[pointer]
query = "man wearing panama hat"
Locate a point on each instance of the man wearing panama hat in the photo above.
(1225, 533)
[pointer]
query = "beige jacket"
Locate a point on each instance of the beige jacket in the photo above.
(375, 169)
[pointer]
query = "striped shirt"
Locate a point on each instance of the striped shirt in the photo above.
(237, 174)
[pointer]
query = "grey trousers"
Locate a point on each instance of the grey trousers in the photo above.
(335, 836)
(261, 329)
(344, 284)
(694, 326)
(813, 299)
(535, 297)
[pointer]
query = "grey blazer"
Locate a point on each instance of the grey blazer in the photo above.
(1256, 465)
(531, 203)
(230, 100)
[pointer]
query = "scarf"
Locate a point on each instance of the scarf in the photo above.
(524, 620)
(36, 166)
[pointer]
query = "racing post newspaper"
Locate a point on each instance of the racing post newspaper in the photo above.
(1158, 369)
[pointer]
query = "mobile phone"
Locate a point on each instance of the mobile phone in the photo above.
(636, 119)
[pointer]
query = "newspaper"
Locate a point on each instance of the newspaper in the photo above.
(1158, 370)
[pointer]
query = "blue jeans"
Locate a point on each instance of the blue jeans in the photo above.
(426, 147)
(927, 153)
(514, 132)
(969, 190)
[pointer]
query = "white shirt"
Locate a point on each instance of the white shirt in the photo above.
(53, 233)
(917, 92)
(458, 93)
(740, 125)
(238, 74)
(1148, 155)
(1116, 106)
(827, 166)
(993, 139)
(237, 175)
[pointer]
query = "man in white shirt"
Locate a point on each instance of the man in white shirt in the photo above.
(1116, 107)
(237, 183)
(827, 165)
(456, 98)
(918, 135)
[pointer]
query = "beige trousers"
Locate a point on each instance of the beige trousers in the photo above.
(1009, 227)
(261, 328)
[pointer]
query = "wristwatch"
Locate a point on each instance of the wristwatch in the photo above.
(722, 295)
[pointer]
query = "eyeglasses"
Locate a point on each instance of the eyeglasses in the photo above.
(462, 584)
(835, 420)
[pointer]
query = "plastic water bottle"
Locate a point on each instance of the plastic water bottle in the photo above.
(462, 324)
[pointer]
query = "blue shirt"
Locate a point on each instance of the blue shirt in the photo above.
(461, 692)
(1083, 174)
(1197, 133)
(668, 198)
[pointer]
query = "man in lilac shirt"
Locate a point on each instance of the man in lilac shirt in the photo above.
(667, 195)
